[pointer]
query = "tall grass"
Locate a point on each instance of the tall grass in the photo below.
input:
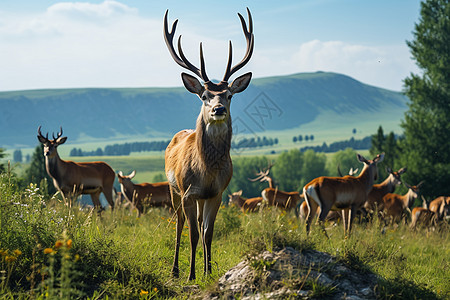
(49, 250)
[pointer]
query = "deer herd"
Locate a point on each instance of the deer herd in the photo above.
(198, 168)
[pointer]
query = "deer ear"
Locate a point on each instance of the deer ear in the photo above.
(361, 158)
(132, 174)
(241, 83)
(192, 84)
(61, 140)
(120, 174)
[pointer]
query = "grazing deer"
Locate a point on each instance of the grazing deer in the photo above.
(197, 162)
(274, 197)
(144, 194)
(340, 193)
(394, 205)
(74, 179)
(375, 198)
(423, 216)
(441, 206)
(246, 205)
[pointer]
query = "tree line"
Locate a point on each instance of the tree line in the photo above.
(122, 149)
(364, 143)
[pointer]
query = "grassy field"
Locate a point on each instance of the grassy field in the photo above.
(51, 251)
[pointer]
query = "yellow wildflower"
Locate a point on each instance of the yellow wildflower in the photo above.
(48, 250)
(9, 258)
(58, 244)
(77, 257)
(3, 252)
(142, 293)
(155, 290)
(17, 252)
(69, 244)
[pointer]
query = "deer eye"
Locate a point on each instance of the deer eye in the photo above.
(230, 96)
(203, 97)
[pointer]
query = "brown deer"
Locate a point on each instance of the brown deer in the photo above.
(423, 216)
(274, 197)
(395, 205)
(375, 198)
(197, 162)
(145, 194)
(246, 205)
(441, 206)
(74, 179)
(341, 193)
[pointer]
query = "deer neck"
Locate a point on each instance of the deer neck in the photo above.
(409, 198)
(388, 185)
(128, 190)
(213, 142)
(55, 166)
(366, 177)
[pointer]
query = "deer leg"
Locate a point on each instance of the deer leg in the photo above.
(176, 202)
(312, 208)
(351, 217)
(211, 208)
(190, 210)
(108, 192)
(96, 200)
(325, 209)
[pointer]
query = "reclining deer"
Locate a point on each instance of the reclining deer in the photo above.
(144, 194)
(346, 193)
(197, 162)
(73, 179)
(246, 205)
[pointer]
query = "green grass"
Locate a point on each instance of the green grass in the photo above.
(120, 256)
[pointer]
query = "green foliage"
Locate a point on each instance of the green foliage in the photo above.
(293, 169)
(345, 160)
(427, 121)
(243, 169)
(2, 155)
(37, 173)
(388, 145)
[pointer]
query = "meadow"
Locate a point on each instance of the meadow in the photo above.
(51, 251)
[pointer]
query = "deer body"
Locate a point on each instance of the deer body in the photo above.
(285, 200)
(340, 193)
(394, 204)
(197, 162)
(145, 194)
(440, 206)
(72, 178)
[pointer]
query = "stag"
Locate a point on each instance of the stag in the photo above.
(341, 193)
(197, 162)
(144, 194)
(394, 205)
(74, 179)
(274, 197)
(246, 205)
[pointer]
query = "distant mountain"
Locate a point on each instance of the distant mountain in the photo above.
(273, 103)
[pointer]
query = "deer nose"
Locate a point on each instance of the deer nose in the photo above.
(219, 110)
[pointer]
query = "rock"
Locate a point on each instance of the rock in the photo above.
(288, 273)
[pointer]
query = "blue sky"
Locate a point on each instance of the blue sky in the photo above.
(55, 44)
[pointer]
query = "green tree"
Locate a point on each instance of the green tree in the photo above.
(378, 140)
(313, 166)
(345, 159)
(2, 155)
(17, 155)
(425, 148)
(36, 172)
(243, 169)
(287, 170)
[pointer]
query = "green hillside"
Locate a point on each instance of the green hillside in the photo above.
(314, 103)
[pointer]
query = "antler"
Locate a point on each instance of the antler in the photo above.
(40, 134)
(250, 42)
(262, 174)
(183, 61)
(59, 134)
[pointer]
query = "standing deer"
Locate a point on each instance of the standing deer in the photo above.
(246, 205)
(441, 206)
(274, 197)
(198, 162)
(144, 194)
(394, 205)
(341, 193)
(375, 198)
(74, 179)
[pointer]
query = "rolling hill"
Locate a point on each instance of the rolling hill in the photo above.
(270, 105)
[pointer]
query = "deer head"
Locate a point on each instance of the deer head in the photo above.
(51, 145)
(216, 97)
